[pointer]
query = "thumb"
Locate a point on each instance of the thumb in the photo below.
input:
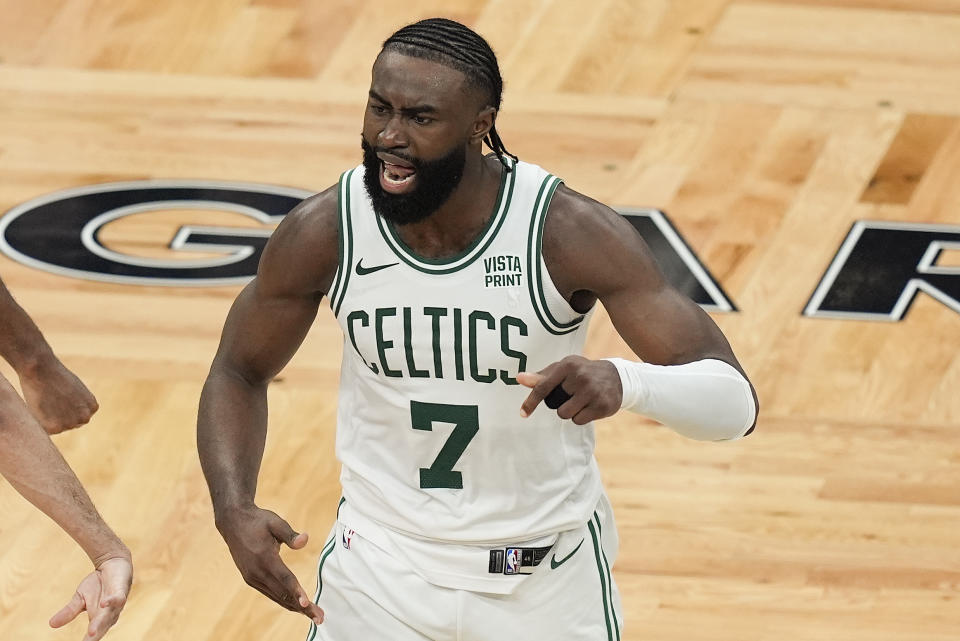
(299, 541)
(529, 379)
(282, 531)
(114, 591)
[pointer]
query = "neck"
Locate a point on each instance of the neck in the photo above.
(452, 228)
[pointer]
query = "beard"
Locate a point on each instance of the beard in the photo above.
(435, 181)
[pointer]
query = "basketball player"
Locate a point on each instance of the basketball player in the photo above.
(56, 400)
(463, 284)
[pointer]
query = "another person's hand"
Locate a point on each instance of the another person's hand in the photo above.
(56, 397)
(254, 536)
(102, 593)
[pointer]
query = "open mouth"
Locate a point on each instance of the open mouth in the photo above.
(396, 179)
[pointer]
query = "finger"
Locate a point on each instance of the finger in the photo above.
(277, 581)
(53, 428)
(299, 541)
(99, 625)
(310, 609)
(587, 415)
(550, 378)
(528, 379)
(572, 406)
(83, 417)
(292, 586)
(282, 531)
(273, 592)
(315, 612)
(69, 612)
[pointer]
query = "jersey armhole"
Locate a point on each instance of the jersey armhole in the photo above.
(554, 312)
(341, 278)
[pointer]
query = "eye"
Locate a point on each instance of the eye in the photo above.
(378, 109)
(422, 120)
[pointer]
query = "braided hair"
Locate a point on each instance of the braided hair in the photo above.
(459, 47)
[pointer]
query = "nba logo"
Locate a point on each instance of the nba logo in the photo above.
(346, 537)
(512, 565)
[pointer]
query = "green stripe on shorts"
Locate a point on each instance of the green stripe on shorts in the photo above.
(606, 566)
(327, 549)
(603, 581)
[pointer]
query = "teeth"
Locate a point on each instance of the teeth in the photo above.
(395, 181)
(393, 178)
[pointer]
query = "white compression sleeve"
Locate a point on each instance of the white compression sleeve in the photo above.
(707, 400)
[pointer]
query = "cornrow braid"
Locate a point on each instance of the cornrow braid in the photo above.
(455, 45)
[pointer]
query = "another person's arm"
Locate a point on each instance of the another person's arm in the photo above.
(56, 397)
(265, 327)
(34, 467)
(689, 379)
(56, 400)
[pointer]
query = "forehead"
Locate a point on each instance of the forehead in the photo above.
(405, 80)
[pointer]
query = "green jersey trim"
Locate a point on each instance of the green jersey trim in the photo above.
(534, 265)
(468, 255)
(342, 277)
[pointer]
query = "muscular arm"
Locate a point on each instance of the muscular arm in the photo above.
(263, 330)
(265, 326)
(610, 261)
(593, 254)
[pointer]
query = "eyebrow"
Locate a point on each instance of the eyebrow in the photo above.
(416, 109)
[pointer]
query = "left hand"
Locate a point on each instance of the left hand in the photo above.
(594, 388)
(102, 593)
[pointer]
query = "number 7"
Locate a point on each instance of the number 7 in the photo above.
(466, 422)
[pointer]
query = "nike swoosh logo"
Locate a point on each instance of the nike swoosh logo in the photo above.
(554, 564)
(363, 271)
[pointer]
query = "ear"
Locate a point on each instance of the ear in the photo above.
(482, 124)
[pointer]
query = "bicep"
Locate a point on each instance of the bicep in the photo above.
(270, 318)
(263, 331)
(659, 323)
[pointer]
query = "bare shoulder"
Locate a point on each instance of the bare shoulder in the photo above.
(589, 247)
(301, 256)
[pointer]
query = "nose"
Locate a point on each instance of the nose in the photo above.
(393, 134)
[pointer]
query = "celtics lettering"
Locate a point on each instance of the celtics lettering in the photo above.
(439, 342)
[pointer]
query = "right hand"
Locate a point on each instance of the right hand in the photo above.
(102, 593)
(254, 536)
(56, 397)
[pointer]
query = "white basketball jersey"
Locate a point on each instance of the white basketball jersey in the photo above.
(429, 431)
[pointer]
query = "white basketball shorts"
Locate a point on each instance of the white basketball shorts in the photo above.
(369, 595)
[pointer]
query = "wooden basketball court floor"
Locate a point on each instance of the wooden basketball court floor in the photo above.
(763, 128)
